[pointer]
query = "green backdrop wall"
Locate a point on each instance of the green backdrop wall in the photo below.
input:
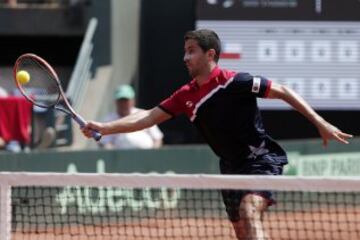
(305, 157)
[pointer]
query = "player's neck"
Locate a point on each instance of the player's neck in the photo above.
(203, 77)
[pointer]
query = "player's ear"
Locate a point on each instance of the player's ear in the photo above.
(211, 53)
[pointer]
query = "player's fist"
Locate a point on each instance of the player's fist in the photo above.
(93, 126)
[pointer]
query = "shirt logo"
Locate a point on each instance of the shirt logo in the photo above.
(256, 85)
(257, 151)
(189, 104)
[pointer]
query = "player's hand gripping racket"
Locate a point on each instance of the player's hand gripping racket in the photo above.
(42, 87)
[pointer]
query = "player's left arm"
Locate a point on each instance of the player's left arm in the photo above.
(326, 130)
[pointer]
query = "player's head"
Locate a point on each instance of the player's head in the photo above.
(207, 40)
(125, 99)
(201, 47)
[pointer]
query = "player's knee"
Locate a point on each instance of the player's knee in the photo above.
(250, 214)
(252, 207)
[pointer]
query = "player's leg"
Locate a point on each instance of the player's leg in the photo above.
(250, 226)
(245, 208)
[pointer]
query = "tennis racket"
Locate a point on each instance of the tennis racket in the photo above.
(44, 89)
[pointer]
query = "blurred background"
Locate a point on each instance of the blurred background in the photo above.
(96, 46)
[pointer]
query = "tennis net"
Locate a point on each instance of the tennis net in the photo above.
(56, 206)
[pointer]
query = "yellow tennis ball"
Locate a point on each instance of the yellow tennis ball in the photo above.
(23, 77)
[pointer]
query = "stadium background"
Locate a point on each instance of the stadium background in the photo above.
(141, 42)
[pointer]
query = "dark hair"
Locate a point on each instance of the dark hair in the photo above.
(207, 39)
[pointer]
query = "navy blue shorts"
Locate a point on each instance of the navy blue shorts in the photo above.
(232, 198)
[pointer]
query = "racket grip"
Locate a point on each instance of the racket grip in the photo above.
(95, 135)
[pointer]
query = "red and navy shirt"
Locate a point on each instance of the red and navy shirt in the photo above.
(225, 111)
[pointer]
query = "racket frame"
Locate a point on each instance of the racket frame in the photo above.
(68, 109)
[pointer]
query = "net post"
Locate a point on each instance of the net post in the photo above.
(5, 211)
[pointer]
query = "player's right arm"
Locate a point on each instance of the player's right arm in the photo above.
(134, 122)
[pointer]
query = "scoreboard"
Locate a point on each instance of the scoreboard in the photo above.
(313, 46)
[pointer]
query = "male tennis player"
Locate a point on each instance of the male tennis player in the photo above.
(222, 105)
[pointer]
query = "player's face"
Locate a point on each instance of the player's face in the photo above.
(195, 58)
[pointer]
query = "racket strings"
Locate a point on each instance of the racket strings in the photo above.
(43, 87)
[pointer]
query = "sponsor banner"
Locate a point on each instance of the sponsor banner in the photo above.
(335, 164)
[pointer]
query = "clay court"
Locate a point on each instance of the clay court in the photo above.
(286, 226)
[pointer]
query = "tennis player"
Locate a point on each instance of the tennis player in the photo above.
(222, 104)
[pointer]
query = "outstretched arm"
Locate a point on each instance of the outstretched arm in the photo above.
(134, 122)
(326, 130)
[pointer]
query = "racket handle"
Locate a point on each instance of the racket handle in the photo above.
(95, 135)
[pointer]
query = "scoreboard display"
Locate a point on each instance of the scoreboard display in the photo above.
(313, 46)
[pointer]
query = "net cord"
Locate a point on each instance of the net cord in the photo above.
(188, 181)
